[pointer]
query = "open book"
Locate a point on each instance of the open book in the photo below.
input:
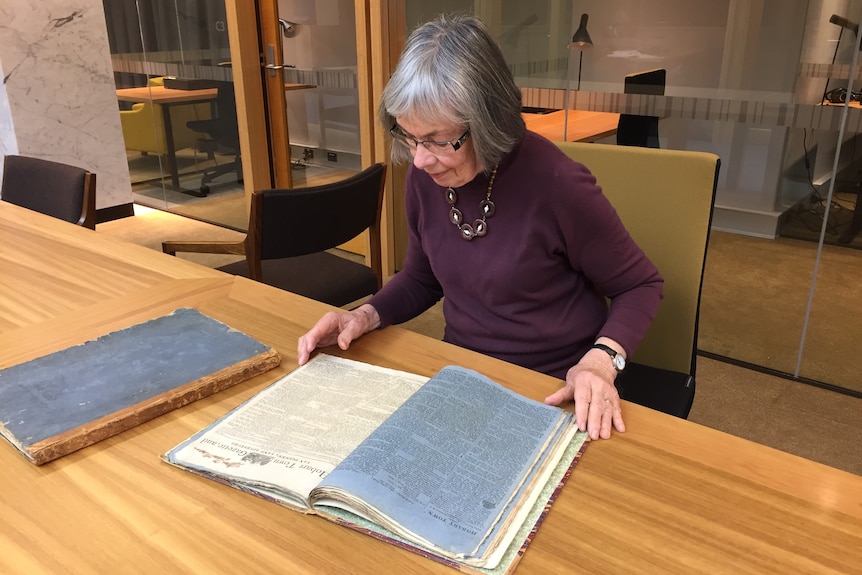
(456, 467)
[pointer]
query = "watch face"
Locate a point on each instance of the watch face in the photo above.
(619, 362)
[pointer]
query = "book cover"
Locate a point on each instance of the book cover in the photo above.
(67, 400)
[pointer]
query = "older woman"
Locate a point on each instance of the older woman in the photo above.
(516, 236)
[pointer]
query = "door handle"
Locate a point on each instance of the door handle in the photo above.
(270, 60)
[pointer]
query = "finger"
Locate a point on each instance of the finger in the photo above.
(619, 425)
(352, 329)
(594, 423)
(607, 419)
(582, 414)
(302, 351)
(582, 407)
(344, 339)
(558, 397)
(322, 334)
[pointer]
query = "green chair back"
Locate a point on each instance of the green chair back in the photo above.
(665, 199)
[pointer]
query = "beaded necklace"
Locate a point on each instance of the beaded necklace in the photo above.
(486, 208)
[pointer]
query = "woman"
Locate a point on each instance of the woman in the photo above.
(544, 249)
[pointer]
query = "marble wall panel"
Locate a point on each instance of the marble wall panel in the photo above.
(59, 101)
(8, 143)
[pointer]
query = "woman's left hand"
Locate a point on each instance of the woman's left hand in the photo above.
(590, 383)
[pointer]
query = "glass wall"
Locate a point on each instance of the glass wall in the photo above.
(830, 211)
(172, 67)
(744, 80)
(323, 114)
(172, 64)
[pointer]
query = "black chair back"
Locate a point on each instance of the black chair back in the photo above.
(226, 129)
(642, 131)
(292, 233)
(292, 230)
(52, 188)
(222, 127)
(296, 222)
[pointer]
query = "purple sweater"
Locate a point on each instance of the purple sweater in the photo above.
(533, 290)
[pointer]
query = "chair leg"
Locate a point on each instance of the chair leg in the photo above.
(209, 174)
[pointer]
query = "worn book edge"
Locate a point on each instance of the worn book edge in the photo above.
(522, 540)
(100, 429)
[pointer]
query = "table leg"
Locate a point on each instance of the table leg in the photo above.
(171, 151)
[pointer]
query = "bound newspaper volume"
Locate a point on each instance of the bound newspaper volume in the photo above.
(456, 467)
(70, 399)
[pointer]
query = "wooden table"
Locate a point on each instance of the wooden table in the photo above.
(583, 125)
(668, 496)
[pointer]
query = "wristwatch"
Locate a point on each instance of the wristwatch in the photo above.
(616, 358)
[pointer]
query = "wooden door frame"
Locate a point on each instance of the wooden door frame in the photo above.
(251, 115)
(276, 103)
(380, 34)
(387, 29)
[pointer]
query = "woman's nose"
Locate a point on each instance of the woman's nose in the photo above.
(422, 157)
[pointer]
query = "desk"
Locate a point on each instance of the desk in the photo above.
(668, 496)
(583, 125)
(167, 98)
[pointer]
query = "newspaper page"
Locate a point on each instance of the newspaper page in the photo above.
(284, 440)
(444, 469)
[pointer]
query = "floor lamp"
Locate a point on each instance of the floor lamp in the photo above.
(580, 40)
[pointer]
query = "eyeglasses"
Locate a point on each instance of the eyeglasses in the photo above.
(436, 148)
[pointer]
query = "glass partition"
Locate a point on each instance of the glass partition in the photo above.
(762, 84)
(747, 81)
(828, 350)
(172, 68)
(322, 95)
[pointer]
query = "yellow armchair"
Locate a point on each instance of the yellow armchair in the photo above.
(144, 128)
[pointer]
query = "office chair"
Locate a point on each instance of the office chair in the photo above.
(635, 130)
(59, 190)
(222, 135)
(290, 230)
(665, 199)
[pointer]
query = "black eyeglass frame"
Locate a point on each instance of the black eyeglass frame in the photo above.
(396, 132)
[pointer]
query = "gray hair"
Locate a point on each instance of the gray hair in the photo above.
(451, 69)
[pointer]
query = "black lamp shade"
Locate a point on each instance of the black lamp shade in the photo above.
(844, 23)
(582, 37)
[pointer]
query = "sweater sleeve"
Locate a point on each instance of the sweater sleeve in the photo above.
(603, 250)
(414, 289)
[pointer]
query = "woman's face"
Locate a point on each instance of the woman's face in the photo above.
(446, 166)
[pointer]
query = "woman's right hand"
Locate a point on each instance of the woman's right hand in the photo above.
(340, 327)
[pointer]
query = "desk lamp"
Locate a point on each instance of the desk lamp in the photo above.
(288, 28)
(845, 24)
(580, 40)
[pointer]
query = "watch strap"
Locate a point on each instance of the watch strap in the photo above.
(611, 352)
